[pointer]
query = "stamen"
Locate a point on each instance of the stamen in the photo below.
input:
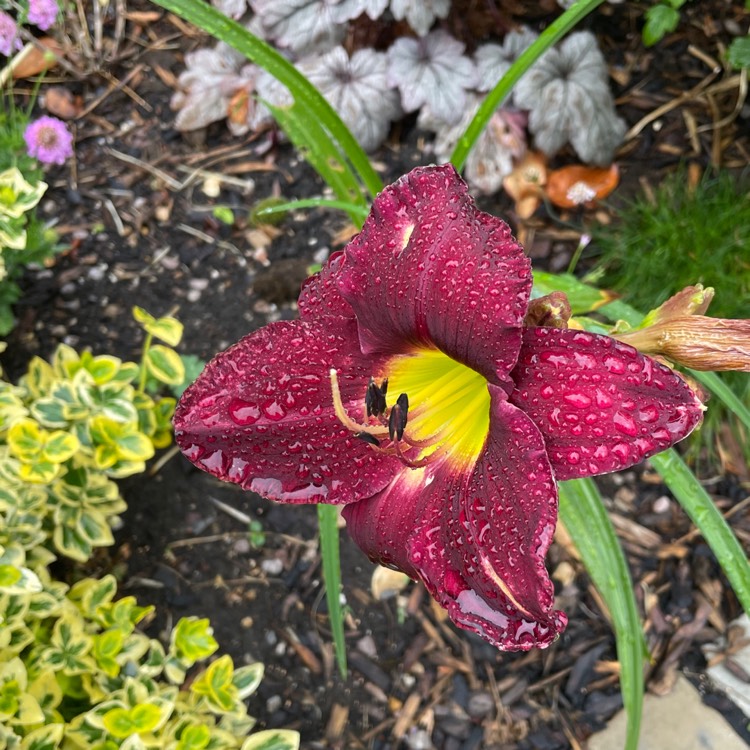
(370, 439)
(398, 416)
(375, 398)
(343, 416)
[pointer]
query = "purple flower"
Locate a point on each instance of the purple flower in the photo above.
(414, 391)
(49, 140)
(9, 39)
(43, 13)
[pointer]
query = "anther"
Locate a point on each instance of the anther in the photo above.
(370, 439)
(375, 398)
(398, 417)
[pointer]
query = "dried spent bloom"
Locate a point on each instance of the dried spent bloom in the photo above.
(357, 89)
(49, 140)
(679, 331)
(43, 13)
(568, 98)
(432, 71)
(420, 14)
(526, 182)
(10, 41)
(411, 392)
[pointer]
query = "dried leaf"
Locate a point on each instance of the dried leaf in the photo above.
(577, 185)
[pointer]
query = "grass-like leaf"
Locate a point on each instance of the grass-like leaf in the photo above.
(583, 514)
(329, 551)
(697, 503)
(280, 208)
(315, 145)
(306, 96)
(551, 35)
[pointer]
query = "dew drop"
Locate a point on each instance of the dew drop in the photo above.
(243, 413)
(274, 410)
(602, 399)
(547, 392)
(648, 414)
(625, 423)
(577, 399)
(614, 364)
(574, 457)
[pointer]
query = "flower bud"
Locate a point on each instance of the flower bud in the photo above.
(696, 341)
(550, 311)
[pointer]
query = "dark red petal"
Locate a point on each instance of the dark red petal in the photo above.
(261, 415)
(320, 295)
(429, 268)
(477, 540)
(600, 404)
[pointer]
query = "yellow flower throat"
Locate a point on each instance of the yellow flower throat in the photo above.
(449, 409)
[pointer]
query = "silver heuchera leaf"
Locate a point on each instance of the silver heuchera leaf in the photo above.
(420, 14)
(212, 76)
(358, 90)
(491, 158)
(347, 10)
(231, 8)
(303, 26)
(568, 98)
(432, 71)
(493, 60)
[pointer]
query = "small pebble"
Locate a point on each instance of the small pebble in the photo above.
(481, 704)
(662, 504)
(274, 703)
(272, 566)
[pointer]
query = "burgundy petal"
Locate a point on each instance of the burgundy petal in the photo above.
(320, 295)
(429, 269)
(261, 415)
(600, 404)
(477, 539)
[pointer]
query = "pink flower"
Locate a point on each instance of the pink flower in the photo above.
(9, 39)
(412, 391)
(43, 13)
(49, 140)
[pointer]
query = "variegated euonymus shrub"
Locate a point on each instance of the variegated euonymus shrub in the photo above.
(23, 237)
(75, 671)
(73, 425)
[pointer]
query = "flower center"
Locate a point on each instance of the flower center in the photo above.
(423, 406)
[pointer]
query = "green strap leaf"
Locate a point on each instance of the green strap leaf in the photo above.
(329, 550)
(703, 512)
(583, 514)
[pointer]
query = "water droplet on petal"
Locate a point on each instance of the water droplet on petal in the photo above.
(579, 400)
(274, 410)
(243, 413)
(625, 424)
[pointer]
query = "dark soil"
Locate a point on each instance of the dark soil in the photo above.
(136, 238)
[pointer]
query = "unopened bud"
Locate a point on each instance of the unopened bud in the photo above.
(696, 341)
(550, 311)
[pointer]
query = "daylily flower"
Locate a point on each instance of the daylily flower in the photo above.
(411, 392)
